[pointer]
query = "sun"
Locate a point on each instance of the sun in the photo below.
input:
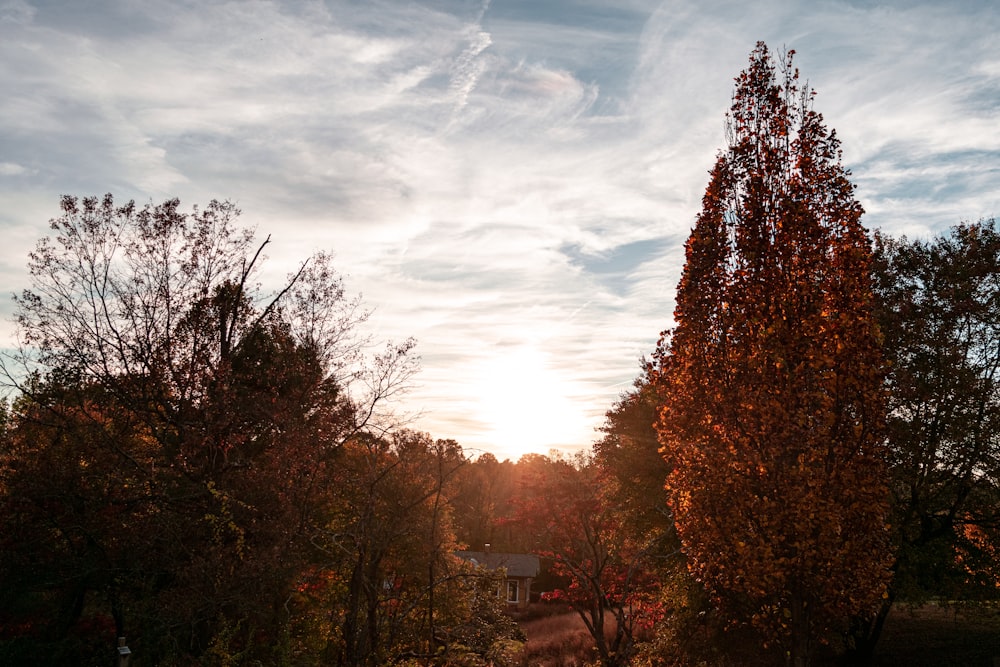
(526, 406)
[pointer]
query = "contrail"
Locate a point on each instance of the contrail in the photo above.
(467, 69)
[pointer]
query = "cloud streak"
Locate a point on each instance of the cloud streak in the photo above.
(510, 183)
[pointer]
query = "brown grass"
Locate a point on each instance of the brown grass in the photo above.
(928, 636)
(557, 640)
(935, 635)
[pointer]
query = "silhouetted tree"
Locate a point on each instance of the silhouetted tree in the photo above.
(187, 422)
(939, 312)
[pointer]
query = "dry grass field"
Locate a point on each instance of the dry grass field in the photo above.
(928, 636)
(938, 636)
(557, 640)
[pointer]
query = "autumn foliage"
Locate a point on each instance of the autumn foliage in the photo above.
(577, 527)
(219, 474)
(168, 460)
(771, 381)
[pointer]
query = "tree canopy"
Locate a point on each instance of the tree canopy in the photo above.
(172, 447)
(772, 379)
(939, 310)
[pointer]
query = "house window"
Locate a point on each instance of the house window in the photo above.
(512, 590)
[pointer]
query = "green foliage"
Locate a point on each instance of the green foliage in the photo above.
(478, 629)
(482, 496)
(384, 561)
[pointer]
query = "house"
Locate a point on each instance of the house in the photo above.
(520, 570)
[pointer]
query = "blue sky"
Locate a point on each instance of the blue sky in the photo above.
(509, 182)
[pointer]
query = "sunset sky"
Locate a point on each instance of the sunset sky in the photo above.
(509, 182)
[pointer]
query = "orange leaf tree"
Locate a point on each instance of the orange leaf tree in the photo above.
(771, 381)
(577, 525)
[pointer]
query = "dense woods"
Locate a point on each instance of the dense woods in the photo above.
(218, 473)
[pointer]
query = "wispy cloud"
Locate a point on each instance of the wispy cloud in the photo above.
(511, 183)
(468, 67)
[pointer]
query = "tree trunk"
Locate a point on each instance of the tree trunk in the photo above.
(351, 654)
(864, 635)
(800, 654)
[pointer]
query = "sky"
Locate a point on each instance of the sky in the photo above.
(510, 182)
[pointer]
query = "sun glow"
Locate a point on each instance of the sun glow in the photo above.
(527, 407)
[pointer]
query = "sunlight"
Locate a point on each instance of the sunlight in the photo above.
(526, 405)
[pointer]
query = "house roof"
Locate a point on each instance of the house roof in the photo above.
(517, 565)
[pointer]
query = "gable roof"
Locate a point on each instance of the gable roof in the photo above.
(517, 565)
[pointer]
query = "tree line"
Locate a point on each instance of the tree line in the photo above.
(217, 472)
(208, 470)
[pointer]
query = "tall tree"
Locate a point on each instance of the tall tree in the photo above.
(771, 380)
(193, 416)
(939, 312)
